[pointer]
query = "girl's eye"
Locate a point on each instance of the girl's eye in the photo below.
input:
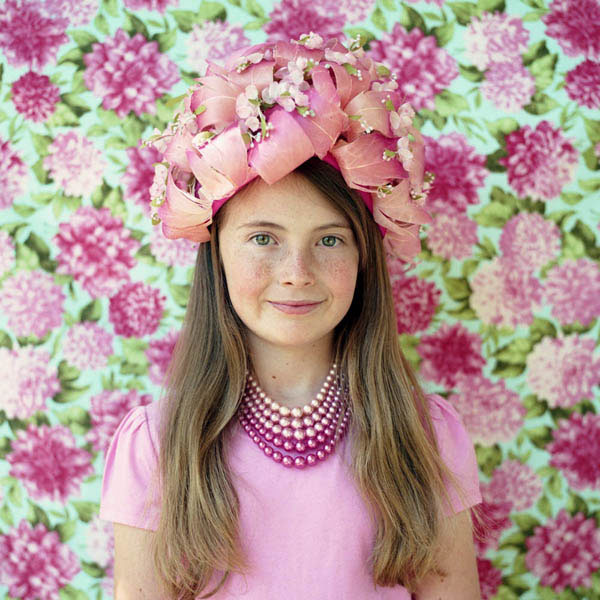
(261, 239)
(330, 241)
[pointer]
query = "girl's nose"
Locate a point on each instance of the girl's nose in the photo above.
(296, 268)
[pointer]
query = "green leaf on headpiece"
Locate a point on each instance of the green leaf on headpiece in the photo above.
(355, 117)
(200, 109)
(350, 69)
(382, 70)
(389, 104)
(389, 153)
(263, 126)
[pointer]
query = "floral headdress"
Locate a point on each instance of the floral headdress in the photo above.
(274, 106)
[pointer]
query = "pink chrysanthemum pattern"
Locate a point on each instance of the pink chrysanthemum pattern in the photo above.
(136, 309)
(583, 84)
(48, 462)
(415, 301)
(34, 564)
(96, 250)
(79, 12)
(100, 547)
(14, 177)
(490, 578)
(452, 236)
(7, 253)
(180, 252)
(159, 353)
(139, 174)
(494, 520)
(129, 74)
(87, 345)
(516, 483)
(159, 5)
(508, 86)
(35, 96)
(28, 379)
(563, 370)
(32, 303)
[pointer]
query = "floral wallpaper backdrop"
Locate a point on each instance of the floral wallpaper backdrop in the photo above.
(500, 314)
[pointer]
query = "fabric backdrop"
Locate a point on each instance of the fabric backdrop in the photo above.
(500, 314)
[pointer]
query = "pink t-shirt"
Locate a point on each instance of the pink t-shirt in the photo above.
(307, 534)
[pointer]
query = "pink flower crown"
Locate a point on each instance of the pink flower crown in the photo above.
(272, 107)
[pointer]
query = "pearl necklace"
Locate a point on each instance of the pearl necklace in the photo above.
(312, 427)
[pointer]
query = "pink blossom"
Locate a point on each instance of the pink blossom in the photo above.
(516, 483)
(179, 252)
(415, 301)
(565, 551)
(100, 547)
(292, 18)
(495, 38)
(356, 10)
(129, 73)
(139, 174)
(7, 253)
(96, 249)
(87, 345)
(213, 41)
(438, 2)
(34, 565)
(508, 86)
(14, 177)
(32, 303)
(107, 410)
(540, 161)
(159, 353)
(563, 370)
(573, 289)
(79, 12)
(583, 84)
(28, 380)
(35, 96)
(448, 352)
(28, 35)
(505, 294)
(423, 68)
(575, 449)
(575, 24)
(494, 519)
(136, 309)
(48, 462)
(452, 236)
(159, 5)
(490, 578)
(459, 173)
(529, 240)
(75, 164)
(491, 412)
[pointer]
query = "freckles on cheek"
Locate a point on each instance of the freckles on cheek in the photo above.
(342, 275)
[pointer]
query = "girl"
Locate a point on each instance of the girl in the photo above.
(294, 454)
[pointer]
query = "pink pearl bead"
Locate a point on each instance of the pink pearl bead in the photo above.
(288, 445)
(268, 450)
(262, 445)
(311, 459)
(268, 436)
(288, 461)
(277, 441)
(299, 462)
(300, 446)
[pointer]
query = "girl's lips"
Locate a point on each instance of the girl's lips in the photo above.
(294, 308)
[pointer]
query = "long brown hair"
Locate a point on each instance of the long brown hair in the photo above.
(395, 461)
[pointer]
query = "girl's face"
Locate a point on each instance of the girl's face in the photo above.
(290, 261)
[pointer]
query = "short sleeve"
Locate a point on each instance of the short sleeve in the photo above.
(130, 490)
(457, 452)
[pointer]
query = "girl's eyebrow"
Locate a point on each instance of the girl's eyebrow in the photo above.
(332, 225)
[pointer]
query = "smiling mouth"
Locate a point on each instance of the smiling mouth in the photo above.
(296, 307)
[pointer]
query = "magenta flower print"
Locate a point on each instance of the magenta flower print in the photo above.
(96, 250)
(563, 370)
(516, 483)
(159, 353)
(423, 68)
(29, 36)
(490, 578)
(87, 345)
(415, 301)
(48, 462)
(129, 74)
(356, 10)
(583, 84)
(7, 253)
(100, 545)
(35, 96)
(452, 236)
(564, 551)
(139, 174)
(181, 251)
(34, 564)
(159, 5)
(494, 520)
(459, 173)
(508, 86)
(448, 352)
(136, 309)
(79, 12)
(14, 178)
(32, 303)
(540, 161)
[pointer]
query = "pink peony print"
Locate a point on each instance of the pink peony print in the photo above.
(159, 353)
(75, 164)
(423, 68)
(35, 96)
(107, 410)
(213, 41)
(459, 173)
(452, 236)
(516, 483)
(136, 309)
(490, 411)
(575, 24)
(139, 174)
(450, 351)
(575, 449)
(505, 294)
(79, 12)
(159, 5)
(96, 250)
(583, 84)
(529, 240)
(495, 38)
(48, 462)
(508, 86)
(292, 18)
(490, 578)
(100, 547)
(356, 10)
(14, 177)
(32, 303)
(28, 35)
(415, 301)
(129, 73)
(573, 289)
(565, 551)
(34, 564)
(494, 520)
(563, 370)
(7, 253)
(540, 161)
(29, 379)
(438, 2)
(87, 345)
(179, 252)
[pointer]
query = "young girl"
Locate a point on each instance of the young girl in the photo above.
(294, 454)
